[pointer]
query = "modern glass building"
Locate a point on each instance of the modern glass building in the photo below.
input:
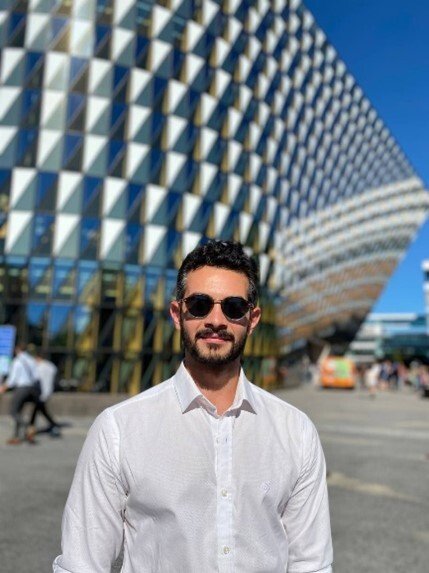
(132, 130)
(401, 337)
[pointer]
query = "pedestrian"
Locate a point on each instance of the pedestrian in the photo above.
(204, 472)
(372, 376)
(384, 373)
(46, 372)
(23, 380)
(393, 376)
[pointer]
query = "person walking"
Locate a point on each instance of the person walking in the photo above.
(46, 372)
(23, 380)
(372, 376)
(204, 472)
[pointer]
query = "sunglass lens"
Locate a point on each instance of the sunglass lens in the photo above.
(235, 307)
(199, 305)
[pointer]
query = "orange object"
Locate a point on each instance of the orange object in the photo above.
(337, 372)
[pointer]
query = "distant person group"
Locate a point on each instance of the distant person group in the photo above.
(389, 375)
(31, 379)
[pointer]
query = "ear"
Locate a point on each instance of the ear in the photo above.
(175, 313)
(255, 317)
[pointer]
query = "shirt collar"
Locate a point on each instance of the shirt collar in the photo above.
(190, 397)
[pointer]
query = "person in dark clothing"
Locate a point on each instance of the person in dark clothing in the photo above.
(46, 372)
(23, 380)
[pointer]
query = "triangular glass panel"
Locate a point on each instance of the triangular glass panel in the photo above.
(58, 26)
(27, 147)
(34, 70)
(118, 132)
(16, 21)
(75, 105)
(63, 8)
(102, 33)
(46, 191)
(78, 123)
(5, 176)
(73, 149)
(134, 199)
(115, 154)
(117, 113)
(90, 233)
(103, 50)
(120, 73)
(71, 145)
(178, 58)
(141, 48)
(17, 37)
(92, 196)
(31, 108)
(81, 84)
(132, 243)
(43, 226)
(62, 41)
(77, 68)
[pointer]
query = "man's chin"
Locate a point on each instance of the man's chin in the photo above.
(213, 356)
(214, 361)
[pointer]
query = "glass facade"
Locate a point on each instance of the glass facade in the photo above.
(132, 130)
(401, 337)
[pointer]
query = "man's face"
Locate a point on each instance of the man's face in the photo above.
(214, 339)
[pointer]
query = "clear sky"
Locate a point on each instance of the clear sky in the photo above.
(385, 46)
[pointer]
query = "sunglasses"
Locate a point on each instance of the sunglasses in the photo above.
(233, 307)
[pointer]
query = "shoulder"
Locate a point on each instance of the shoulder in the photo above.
(147, 400)
(135, 416)
(292, 424)
(28, 359)
(275, 405)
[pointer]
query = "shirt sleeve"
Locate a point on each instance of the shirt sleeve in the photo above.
(14, 373)
(306, 516)
(92, 526)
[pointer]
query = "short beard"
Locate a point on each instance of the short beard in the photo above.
(212, 360)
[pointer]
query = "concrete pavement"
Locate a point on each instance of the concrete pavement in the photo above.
(377, 453)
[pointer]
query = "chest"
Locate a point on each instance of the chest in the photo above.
(195, 458)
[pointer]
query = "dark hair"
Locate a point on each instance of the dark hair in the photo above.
(228, 255)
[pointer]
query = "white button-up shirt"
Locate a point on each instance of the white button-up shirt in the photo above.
(23, 371)
(46, 372)
(189, 491)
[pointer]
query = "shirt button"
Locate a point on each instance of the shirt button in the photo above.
(226, 550)
(224, 493)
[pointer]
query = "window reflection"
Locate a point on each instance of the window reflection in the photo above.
(88, 283)
(59, 325)
(43, 232)
(63, 285)
(39, 275)
(36, 316)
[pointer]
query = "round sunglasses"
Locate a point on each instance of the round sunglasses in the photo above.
(233, 307)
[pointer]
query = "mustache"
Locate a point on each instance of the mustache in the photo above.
(222, 333)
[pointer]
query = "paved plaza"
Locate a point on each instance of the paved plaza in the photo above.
(378, 463)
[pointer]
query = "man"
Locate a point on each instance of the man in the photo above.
(46, 372)
(204, 472)
(23, 380)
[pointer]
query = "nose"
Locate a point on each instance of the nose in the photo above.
(216, 317)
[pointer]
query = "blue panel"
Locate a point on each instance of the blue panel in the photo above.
(77, 68)
(72, 143)
(91, 187)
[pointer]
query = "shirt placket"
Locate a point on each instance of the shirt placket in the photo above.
(223, 441)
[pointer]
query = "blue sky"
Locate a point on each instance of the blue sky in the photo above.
(385, 45)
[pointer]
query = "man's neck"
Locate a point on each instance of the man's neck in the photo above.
(218, 383)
